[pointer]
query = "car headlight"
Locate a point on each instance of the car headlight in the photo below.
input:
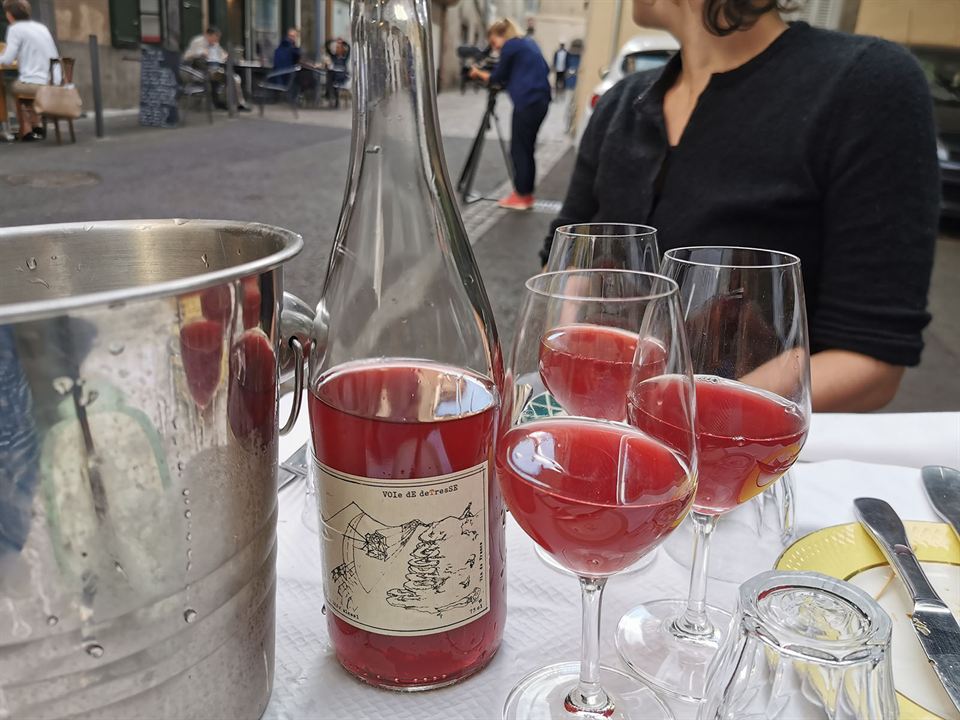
(943, 154)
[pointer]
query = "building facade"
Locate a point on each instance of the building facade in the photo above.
(931, 23)
(250, 29)
(551, 22)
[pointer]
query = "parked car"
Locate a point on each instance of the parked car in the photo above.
(646, 51)
(942, 68)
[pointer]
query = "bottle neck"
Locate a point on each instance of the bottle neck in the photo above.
(395, 109)
(401, 261)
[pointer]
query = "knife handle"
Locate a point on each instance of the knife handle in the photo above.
(885, 527)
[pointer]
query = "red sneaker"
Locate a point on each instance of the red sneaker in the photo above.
(516, 202)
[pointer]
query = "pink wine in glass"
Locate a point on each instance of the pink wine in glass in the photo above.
(252, 389)
(201, 350)
(415, 437)
(597, 496)
(588, 368)
(746, 438)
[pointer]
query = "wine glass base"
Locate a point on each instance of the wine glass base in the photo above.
(542, 693)
(641, 564)
(670, 662)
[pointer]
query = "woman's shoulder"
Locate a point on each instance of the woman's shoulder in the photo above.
(856, 58)
(521, 44)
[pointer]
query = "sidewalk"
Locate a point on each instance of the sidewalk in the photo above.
(460, 117)
(276, 169)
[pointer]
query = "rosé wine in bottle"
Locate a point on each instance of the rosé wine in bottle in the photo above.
(405, 374)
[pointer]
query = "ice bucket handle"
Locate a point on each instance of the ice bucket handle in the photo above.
(296, 328)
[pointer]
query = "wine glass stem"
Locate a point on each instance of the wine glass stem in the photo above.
(588, 696)
(694, 620)
(788, 509)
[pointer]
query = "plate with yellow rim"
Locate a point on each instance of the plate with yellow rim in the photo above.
(848, 553)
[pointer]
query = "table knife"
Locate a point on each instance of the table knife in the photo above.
(943, 490)
(936, 627)
(293, 468)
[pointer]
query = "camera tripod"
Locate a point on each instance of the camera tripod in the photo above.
(469, 172)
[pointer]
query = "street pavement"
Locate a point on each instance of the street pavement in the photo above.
(291, 172)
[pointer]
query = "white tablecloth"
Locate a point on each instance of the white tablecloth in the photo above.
(543, 619)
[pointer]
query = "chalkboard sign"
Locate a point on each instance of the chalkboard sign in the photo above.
(159, 87)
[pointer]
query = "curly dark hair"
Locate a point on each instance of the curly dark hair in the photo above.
(725, 17)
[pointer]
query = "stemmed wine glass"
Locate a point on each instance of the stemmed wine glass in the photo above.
(746, 322)
(592, 491)
(611, 246)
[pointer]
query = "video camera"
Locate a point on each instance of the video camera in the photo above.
(472, 56)
(477, 57)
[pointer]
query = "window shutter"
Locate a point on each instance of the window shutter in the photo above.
(191, 21)
(125, 23)
(819, 13)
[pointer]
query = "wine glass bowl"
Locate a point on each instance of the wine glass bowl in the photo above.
(595, 495)
(610, 246)
(585, 246)
(594, 492)
(745, 318)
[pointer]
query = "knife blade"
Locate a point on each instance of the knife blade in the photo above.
(936, 627)
(942, 485)
(293, 468)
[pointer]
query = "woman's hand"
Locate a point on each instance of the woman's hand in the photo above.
(478, 74)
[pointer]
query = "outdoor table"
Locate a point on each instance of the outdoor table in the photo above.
(877, 455)
(248, 66)
(319, 73)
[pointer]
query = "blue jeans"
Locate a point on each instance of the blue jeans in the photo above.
(526, 124)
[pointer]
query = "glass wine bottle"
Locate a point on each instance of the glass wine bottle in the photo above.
(404, 388)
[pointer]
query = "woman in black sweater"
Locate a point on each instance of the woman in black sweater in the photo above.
(791, 138)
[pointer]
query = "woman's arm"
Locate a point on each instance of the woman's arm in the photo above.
(845, 381)
(881, 184)
(479, 74)
(500, 75)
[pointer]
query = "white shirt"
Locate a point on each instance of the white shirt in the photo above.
(200, 48)
(560, 64)
(31, 45)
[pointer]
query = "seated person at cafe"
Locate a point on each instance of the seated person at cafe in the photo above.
(288, 55)
(768, 135)
(339, 52)
(30, 45)
(205, 51)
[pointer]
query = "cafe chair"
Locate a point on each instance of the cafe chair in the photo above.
(195, 86)
(279, 82)
(338, 88)
(66, 79)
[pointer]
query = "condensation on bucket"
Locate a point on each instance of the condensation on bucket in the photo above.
(137, 524)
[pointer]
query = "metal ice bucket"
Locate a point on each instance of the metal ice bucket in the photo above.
(138, 454)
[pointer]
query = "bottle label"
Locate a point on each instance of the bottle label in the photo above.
(405, 557)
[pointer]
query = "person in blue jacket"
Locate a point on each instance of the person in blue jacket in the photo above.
(287, 54)
(525, 75)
